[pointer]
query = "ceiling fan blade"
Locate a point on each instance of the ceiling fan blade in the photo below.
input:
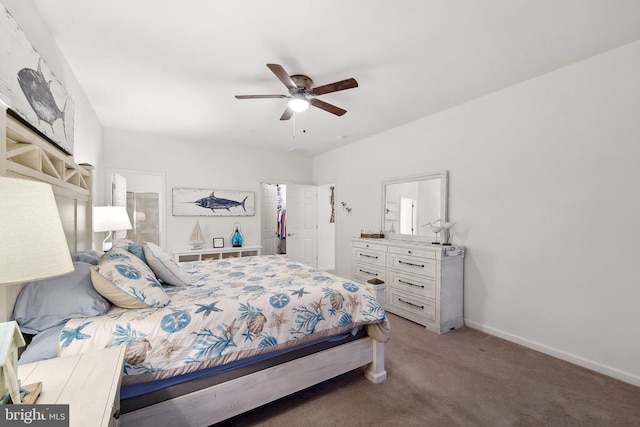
(287, 114)
(260, 96)
(283, 76)
(327, 107)
(334, 87)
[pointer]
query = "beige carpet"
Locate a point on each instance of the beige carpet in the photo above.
(464, 378)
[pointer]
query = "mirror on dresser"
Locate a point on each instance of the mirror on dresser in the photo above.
(410, 204)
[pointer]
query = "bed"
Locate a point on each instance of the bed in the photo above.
(258, 288)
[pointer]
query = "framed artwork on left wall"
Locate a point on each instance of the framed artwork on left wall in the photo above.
(30, 89)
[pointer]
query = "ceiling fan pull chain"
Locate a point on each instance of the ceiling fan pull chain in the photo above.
(294, 126)
(304, 125)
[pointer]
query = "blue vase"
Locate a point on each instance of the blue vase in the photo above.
(236, 238)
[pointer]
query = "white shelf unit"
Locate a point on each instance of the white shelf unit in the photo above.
(204, 254)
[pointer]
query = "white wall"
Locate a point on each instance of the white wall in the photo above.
(88, 145)
(204, 165)
(544, 184)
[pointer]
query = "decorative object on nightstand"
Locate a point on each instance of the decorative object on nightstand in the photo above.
(197, 240)
(110, 218)
(33, 246)
(218, 242)
(236, 237)
(10, 340)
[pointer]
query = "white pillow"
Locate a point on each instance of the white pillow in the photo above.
(125, 280)
(165, 267)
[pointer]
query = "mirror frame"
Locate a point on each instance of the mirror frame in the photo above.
(444, 202)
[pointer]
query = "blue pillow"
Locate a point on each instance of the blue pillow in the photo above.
(51, 302)
(43, 346)
(165, 267)
(90, 257)
(137, 250)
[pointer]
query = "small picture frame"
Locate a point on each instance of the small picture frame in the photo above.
(218, 242)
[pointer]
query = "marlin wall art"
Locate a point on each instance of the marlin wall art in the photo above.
(201, 202)
(30, 89)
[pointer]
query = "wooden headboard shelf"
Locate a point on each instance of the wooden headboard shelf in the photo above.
(28, 155)
(24, 153)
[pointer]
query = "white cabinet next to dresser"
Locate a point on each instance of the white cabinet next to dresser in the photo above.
(424, 282)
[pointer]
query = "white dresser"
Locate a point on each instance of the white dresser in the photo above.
(424, 281)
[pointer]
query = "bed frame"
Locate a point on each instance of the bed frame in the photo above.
(26, 154)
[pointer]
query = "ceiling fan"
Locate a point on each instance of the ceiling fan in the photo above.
(301, 94)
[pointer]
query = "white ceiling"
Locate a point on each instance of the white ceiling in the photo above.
(173, 68)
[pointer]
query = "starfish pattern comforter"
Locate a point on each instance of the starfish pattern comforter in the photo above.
(235, 308)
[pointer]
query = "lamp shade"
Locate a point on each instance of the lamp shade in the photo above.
(33, 245)
(110, 218)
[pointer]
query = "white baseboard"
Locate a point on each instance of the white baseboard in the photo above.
(572, 358)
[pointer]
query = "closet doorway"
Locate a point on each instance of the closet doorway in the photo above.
(274, 214)
(297, 222)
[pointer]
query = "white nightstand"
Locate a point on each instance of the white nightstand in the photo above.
(89, 383)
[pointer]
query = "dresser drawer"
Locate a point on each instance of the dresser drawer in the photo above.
(370, 246)
(369, 256)
(410, 307)
(421, 253)
(362, 272)
(418, 286)
(413, 265)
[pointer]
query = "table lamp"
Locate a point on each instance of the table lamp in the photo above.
(110, 218)
(33, 247)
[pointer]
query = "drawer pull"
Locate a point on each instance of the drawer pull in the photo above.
(421, 307)
(368, 272)
(410, 284)
(368, 256)
(411, 264)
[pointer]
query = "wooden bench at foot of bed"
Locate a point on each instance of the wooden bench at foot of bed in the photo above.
(226, 400)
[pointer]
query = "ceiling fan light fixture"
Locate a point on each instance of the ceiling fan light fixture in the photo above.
(298, 103)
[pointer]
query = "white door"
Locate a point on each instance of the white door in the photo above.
(269, 208)
(302, 201)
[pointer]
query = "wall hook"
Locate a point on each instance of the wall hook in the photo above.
(346, 208)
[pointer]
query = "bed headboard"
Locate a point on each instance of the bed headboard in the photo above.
(26, 154)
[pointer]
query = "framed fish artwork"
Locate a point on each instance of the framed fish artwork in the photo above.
(202, 202)
(30, 89)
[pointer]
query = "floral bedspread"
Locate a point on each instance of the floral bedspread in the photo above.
(235, 308)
